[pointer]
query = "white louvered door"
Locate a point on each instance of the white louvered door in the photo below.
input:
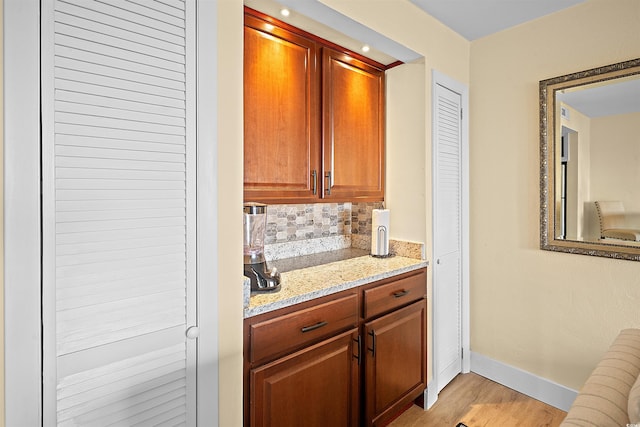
(447, 275)
(118, 167)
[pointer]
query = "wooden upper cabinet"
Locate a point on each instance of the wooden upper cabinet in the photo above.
(303, 144)
(353, 128)
(281, 114)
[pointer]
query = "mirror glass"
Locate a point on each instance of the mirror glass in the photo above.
(590, 162)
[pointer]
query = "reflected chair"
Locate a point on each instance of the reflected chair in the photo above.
(614, 223)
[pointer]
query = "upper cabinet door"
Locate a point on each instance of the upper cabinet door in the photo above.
(281, 114)
(353, 128)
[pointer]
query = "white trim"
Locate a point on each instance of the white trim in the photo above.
(441, 79)
(430, 395)
(22, 298)
(207, 221)
(466, 320)
(191, 142)
(47, 144)
(523, 382)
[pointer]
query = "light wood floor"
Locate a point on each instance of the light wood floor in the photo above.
(479, 402)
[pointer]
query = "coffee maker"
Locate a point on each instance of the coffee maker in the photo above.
(263, 279)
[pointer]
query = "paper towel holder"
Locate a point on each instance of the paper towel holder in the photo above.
(382, 243)
(380, 233)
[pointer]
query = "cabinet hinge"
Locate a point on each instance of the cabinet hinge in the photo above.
(461, 114)
(462, 353)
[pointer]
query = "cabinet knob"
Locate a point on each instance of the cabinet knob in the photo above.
(193, 333)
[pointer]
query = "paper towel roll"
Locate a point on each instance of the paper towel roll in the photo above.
(380, 232)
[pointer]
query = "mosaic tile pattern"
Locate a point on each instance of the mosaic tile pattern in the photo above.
(300, 229)
(290, 223)
(361, 214)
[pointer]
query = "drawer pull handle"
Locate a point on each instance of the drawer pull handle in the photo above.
(399, 294)
(313, 327)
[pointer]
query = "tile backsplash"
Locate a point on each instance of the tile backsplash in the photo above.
(303, 229)
(361, 214)
(292, 223)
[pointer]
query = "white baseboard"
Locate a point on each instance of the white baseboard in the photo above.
(524, 382)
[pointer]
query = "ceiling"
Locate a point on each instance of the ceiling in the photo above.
(620, 96)
(474, 19)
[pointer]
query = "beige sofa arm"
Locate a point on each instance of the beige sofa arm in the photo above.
(604, 399)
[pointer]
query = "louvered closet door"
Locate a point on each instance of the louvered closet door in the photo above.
(118, 153)
(447, 272)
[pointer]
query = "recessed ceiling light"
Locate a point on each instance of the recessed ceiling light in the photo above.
(365, 48)
(285, 12)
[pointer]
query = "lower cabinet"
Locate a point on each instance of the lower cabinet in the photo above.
(395, 362)
(355, 358)
(315, 387)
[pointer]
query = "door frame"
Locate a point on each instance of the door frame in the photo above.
(22, 239)
(439, 78)
(22, 279)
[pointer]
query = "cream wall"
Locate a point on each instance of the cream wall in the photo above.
(406, 148)
(443, 50)
(229, 190)
(551, 314)
(614, 162)
(408, 193)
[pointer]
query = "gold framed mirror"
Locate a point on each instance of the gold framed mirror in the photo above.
(590, 162)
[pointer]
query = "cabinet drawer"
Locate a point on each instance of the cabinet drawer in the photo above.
(394, 294)
(286, 333)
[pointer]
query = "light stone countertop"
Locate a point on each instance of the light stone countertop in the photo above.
(308, 283)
